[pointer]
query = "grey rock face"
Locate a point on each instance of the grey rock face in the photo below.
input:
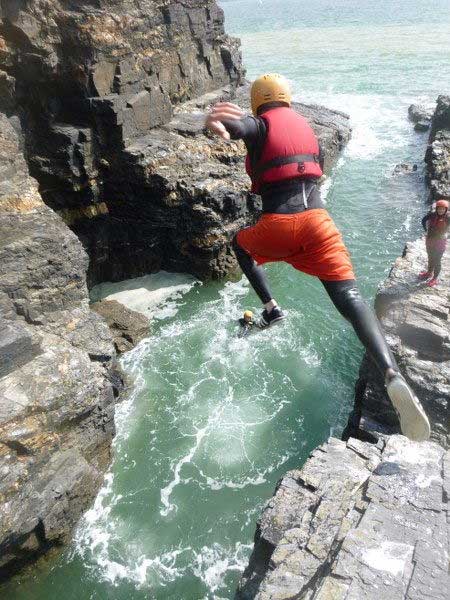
(357, 522)
(56, 400)
(416, 321)
(103, 75)
(438, 153)
(17, 346)
(192, 191)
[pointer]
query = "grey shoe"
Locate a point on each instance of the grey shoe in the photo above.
(413, 420)
(266, 319)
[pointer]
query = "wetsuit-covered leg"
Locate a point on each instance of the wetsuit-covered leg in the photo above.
(435, 262)
(349, 302)
(253, 272)
(430, 261)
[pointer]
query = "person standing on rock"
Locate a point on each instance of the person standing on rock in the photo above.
(436, 224)
(284, 163)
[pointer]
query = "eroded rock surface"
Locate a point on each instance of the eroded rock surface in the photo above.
(421, 116)
(358, 522)
(90, 80)
(438, 153)
(128, 327)
(56, 397)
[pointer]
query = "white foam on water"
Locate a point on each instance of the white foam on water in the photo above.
(146, 294)
(378, 122)
(212, 563)
(167, 491)
(223, 430)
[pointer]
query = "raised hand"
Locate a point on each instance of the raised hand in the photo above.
(222, 111)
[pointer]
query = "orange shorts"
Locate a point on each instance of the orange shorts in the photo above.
(309, 241)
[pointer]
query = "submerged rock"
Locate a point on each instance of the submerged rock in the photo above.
(420, 115)
(128, 327)
(350, 525)
(404, 169)
(422, 126)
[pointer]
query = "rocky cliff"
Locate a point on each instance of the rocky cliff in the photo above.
(438, 154)
(359, 521)
(90, 81)
(367, 518)
(56, 375)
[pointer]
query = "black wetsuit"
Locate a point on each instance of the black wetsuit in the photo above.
(287, 198)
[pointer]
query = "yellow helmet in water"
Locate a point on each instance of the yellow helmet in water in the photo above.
(248, 315)
(269, 88)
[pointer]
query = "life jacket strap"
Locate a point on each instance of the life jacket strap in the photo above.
(280, 161)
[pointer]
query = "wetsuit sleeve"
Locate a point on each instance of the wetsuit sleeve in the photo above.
(250, 129)
(424, 220)
(321, 157)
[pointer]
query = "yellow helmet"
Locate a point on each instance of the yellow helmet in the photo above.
(269, 88)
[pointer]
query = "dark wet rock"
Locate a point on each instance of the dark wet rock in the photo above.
(198, 188)
(350, 524)
(418, 113)
(422, 126)
(404, 169)
(102, 76)
(438, 153)
(56, 357)
(128, 326)
(114, 129)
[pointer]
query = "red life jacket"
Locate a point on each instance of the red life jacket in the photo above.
(438, 225)
(291, 150)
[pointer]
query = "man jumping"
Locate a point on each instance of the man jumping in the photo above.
(284, 163)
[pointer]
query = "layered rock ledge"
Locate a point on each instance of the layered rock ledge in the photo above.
(438, 153)
(359, 521)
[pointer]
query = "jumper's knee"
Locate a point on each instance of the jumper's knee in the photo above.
(348, 301)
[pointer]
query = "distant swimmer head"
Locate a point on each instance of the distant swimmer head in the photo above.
(248, 316)
(269, 88)
(441, 207)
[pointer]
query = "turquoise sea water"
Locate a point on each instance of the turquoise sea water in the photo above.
(213, 420)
